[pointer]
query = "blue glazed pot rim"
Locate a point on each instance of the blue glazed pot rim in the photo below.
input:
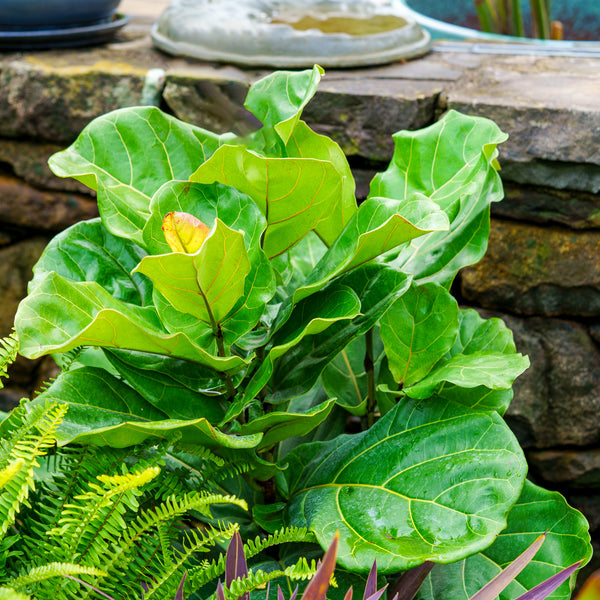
(482, 42)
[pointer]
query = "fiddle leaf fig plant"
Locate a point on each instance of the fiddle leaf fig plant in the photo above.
(233, 295)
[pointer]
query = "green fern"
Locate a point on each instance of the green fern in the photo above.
(116, 518)
(210, 570)
(9, 348)
(23, 450)
(55, 569)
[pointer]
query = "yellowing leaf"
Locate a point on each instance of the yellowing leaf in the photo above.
(184, 232)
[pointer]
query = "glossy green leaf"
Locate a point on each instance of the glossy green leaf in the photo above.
(95, 318)
(312, 316)
(206, 202)
(483, 355)
(170, 396)
(285, 135)
(277, 100)
(453, 163)
(378, 287)
(126, 155)
(418, 330)
(477, 334)
(536, 511)
(479, 397)
(105, 411)
(88, 252)
(445, 480)
(380, 224)
(294, 194)
(305, 142)
(277, 426)
(493, 370)
(206, 284)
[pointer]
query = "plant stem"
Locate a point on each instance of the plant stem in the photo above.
(541, 18)
(487, 15)
(370, 371)
(518, 28)
(218, 333)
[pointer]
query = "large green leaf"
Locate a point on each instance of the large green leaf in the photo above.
(152, 380)
(536, 512)
(282, 425)
(95, 318)
(305, 142)
(453, 163)
(294, 194)
(88, 252)
(477, 353)
(379, 225)
(483, 356)
(206, 202)
(378, 287)
(105, 411)
(126, 155)
(418, 330)
(285, 135)
(444, 481)
(208, 283)
(495, 371)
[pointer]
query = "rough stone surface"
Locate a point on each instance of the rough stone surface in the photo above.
(572, 468)
(530, 269)
(29, 161)
(579, 210)
(25, 206)
(556, 400)
(214, 103)
(362, 117)
(551, 110)
(360, 113)
(16, 262)
(51, 102)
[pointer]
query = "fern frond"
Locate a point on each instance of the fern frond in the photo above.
(26, 448)
(283, 536)
(95, 518)
(200, 452)
(207, 571)
(54, 569)
(10, 594)
(9, 349)
(10, 471)
(44, 386)
(164, 585)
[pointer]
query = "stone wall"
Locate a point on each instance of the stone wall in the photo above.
(542, 270)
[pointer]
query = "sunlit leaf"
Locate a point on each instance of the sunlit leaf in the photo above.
(206, 284)
(97, 319)
(126, 155)
(452, 162)
(294, 194)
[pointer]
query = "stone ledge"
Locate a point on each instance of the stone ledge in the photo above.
(549, 106)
